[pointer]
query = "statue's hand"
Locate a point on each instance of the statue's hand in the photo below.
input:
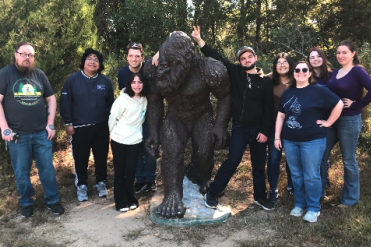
(221, 137)
(151, 145)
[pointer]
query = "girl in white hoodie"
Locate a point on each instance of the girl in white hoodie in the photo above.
(125, 124)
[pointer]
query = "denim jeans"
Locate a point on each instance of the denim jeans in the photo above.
(241, 136)
(346, 131)
(273, 168)
(35, 146)
(304, 159)
(146, 167)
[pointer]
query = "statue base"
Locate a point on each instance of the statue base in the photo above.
(197, 213)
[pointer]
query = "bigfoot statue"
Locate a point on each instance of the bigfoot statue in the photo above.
(185, 80)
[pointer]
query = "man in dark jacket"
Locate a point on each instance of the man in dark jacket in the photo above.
(86, 100)
(145, 174)
(252, 116)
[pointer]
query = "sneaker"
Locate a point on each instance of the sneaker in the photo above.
(264, 203)
(133, 206)
(56, 208)
(290, 190)
(311, 216)
(211, 201)
(151, 186)
(139, 187)
(297, 212)
(82, 193)
(273, 195)
(125, 209)
(27, 211)
(101, 188)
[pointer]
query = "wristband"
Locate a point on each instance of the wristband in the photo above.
(277, 139)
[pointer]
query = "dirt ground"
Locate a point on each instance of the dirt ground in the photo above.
(97, 223)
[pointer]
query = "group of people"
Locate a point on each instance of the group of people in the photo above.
(282, 110)
(27, 111)
(92, 117)
(286, 109)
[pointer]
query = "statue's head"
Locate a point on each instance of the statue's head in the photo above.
(174, 63)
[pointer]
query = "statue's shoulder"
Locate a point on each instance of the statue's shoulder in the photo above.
(149, 70)
(212, 70)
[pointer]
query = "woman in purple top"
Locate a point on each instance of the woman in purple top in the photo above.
(348, 83)
(321, 73)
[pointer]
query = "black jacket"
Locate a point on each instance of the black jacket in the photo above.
(251, 105)
(86, 100)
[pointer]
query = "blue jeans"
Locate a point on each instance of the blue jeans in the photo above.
(346, 131)
(35, 146)
(304, 159)
(241, 136)
(146, 167)
(273, 168)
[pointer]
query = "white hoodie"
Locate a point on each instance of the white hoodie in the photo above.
(126, 119)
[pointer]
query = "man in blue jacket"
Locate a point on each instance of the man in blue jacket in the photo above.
(86, 100)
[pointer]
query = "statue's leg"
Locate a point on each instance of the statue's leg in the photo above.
(201, 166)
(174, 138)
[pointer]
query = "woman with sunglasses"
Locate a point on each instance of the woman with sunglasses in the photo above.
(299, 121)
(348, 83)
(280, 75)
(321, 73)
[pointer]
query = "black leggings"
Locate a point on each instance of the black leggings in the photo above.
(125, 159)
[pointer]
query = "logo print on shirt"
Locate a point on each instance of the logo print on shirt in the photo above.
(101, 87)
(27, 91)
(293, 112)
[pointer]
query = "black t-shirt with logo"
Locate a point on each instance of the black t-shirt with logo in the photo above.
(24, 99)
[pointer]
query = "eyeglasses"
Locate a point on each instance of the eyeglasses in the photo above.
(138, 45)
(92, 60)
(304, 70)
(24, 55)
(282, 64)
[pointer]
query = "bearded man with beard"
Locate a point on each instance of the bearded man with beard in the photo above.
(27, 126)
(252, 116)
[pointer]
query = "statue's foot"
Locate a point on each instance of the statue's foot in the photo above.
(171, 207)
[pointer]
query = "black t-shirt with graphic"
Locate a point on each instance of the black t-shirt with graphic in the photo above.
(23, 102)
(302, 108)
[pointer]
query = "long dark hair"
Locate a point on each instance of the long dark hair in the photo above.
(129, 91)
(311, 80)
(326, 65)
(352, 48)
(275, 75)
(89, 51)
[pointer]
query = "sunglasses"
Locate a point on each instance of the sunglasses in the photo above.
(135, 45)
(304, 70)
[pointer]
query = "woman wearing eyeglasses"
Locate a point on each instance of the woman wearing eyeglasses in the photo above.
(348, 83)
(280, 75)
(301, 111)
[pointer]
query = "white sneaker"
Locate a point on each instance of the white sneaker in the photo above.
(124, 209)
(82, 193)
(101, 188)
(133, 206)
(297, 212)
(311, 216)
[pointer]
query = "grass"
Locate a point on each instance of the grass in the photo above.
(133, 234)
(335, 226)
